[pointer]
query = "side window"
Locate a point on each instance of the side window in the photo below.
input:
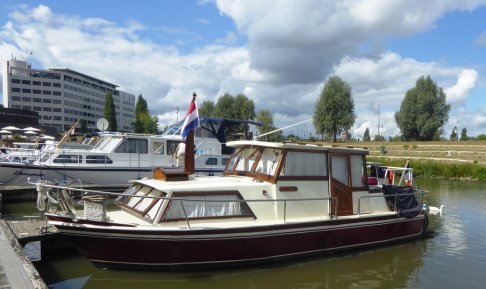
(202, 205)
(133, 146)
(211, 161)
(68, 159)
(305, 164)
(98, 159)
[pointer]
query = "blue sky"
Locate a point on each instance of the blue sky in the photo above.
(278, 53)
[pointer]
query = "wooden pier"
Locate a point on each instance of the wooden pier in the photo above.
(16, 270)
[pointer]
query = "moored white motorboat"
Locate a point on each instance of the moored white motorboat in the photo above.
(275, 201)
(119, 157)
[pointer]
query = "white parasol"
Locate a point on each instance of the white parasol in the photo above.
(31, 129)
(10, 128)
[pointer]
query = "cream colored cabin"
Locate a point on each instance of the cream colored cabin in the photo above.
(263, 182)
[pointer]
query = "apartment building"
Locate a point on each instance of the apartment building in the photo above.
(63, 96)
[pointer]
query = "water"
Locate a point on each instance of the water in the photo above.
(452, 255)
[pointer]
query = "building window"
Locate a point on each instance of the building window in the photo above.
(35, 82)
(57, 109)
(16, 106)
(56, 93)
(15, 80)
(15, 89)
(37, 99)
(46, 108)
(26, 90)
(27, 107)
(46, 84)
(47, 100)
(57, 101)
(56, 84)
(16, 98)
(37, 108)
(57, 117)
(46, 92)
(25, 81)
(36, 91)
(26, 99)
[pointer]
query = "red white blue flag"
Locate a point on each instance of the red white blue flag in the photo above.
(192, 119)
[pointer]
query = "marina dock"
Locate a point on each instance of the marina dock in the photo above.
(16, 270)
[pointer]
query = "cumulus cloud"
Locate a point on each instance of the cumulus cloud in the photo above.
(481, 39)
(466, 81)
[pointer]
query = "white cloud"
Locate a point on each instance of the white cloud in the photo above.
(466, 81)
(481, 39)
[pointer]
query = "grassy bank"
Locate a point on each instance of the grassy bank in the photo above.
(434, 168)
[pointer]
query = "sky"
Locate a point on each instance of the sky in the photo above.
(277, 53)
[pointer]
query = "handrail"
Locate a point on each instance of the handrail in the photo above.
(43, 186)
(415, 193)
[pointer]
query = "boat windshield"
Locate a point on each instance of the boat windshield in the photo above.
(254, 160)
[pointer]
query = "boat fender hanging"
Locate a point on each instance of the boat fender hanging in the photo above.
(390, 177)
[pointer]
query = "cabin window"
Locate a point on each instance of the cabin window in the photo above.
(158, 148)
(210, 205)
(133, 145)
(172, 146)
(97, 159)
(357, 171)
(268, 162)
(340, 168)
(211, 161)
(243, 160)
(224, 161)
(68, 159)
(301, 163)
(133, 198)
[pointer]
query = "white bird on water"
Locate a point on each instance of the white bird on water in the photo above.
(435, 210)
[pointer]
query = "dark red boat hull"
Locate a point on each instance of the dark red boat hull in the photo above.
(124, 247)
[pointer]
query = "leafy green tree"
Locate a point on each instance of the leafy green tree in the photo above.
(481, 137)
(423, 110)
(366, 136)
(109, 112)
(144, 122)
(206, 108)
(235, 107)
(464, 134)
(379, 138)
(266, 119)
(334, 111)
(454, 134)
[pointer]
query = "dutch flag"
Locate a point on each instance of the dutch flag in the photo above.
(192, 119)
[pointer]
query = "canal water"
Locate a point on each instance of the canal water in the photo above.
(451, 255)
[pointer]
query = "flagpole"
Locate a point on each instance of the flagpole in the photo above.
(66, 135)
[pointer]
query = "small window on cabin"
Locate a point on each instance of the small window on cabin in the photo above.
(206, 205)
(242, 160)
(68, 159)
(302, 163)
(98, 159)
(211, 162)
(142, 199)
(357, 171)
(158, 148)
(133, 145)
(268, 162)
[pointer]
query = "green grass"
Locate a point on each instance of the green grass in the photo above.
(430, 168)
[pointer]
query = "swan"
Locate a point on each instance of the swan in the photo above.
(435, 210)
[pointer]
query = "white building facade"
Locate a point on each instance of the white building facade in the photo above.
(64, 96)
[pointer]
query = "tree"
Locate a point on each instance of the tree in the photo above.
(109, 112)
(334, 110)
(235, 107)
(423, 110)
(206, 108)
(144, 122)
(366, 136)
(464, 134)
(454, 134)
(266, 119)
